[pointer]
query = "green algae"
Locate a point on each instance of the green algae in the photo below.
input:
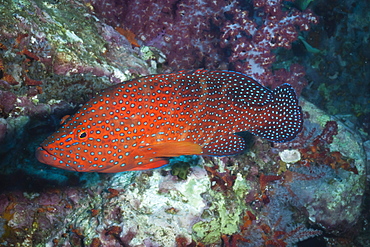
(224, 215)
(61, 21)
(181, 170)
(180, 166)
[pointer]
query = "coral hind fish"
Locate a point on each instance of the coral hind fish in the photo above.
(138, 124)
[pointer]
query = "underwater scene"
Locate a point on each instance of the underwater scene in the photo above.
(161, 123)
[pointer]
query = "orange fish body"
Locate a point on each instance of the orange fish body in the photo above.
(138, 124)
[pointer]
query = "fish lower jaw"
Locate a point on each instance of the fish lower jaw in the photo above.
(45, 157)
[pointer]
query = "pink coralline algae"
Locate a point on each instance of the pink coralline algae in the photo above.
(7, 102)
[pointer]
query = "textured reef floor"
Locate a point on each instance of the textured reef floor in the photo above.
(268, 195)
(54, 55)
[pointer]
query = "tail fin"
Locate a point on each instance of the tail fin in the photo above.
(282, 117)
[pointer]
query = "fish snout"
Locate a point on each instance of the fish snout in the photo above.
(45, 157)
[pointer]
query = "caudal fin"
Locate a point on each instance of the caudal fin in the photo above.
(281, 118)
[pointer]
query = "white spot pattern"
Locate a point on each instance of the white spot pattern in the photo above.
(116, 127)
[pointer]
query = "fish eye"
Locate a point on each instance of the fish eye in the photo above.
(82, 135)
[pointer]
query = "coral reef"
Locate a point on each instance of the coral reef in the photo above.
(186, 31)
(127, 209)
(205, 34)
(56, 54)
(251, 41)
(308, 192)
(235, 200)
(45, 63)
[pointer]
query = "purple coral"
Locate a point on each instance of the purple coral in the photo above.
(215, 34)
(252, 39)
(186, 31)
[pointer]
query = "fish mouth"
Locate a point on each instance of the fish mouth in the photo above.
(45, 157)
